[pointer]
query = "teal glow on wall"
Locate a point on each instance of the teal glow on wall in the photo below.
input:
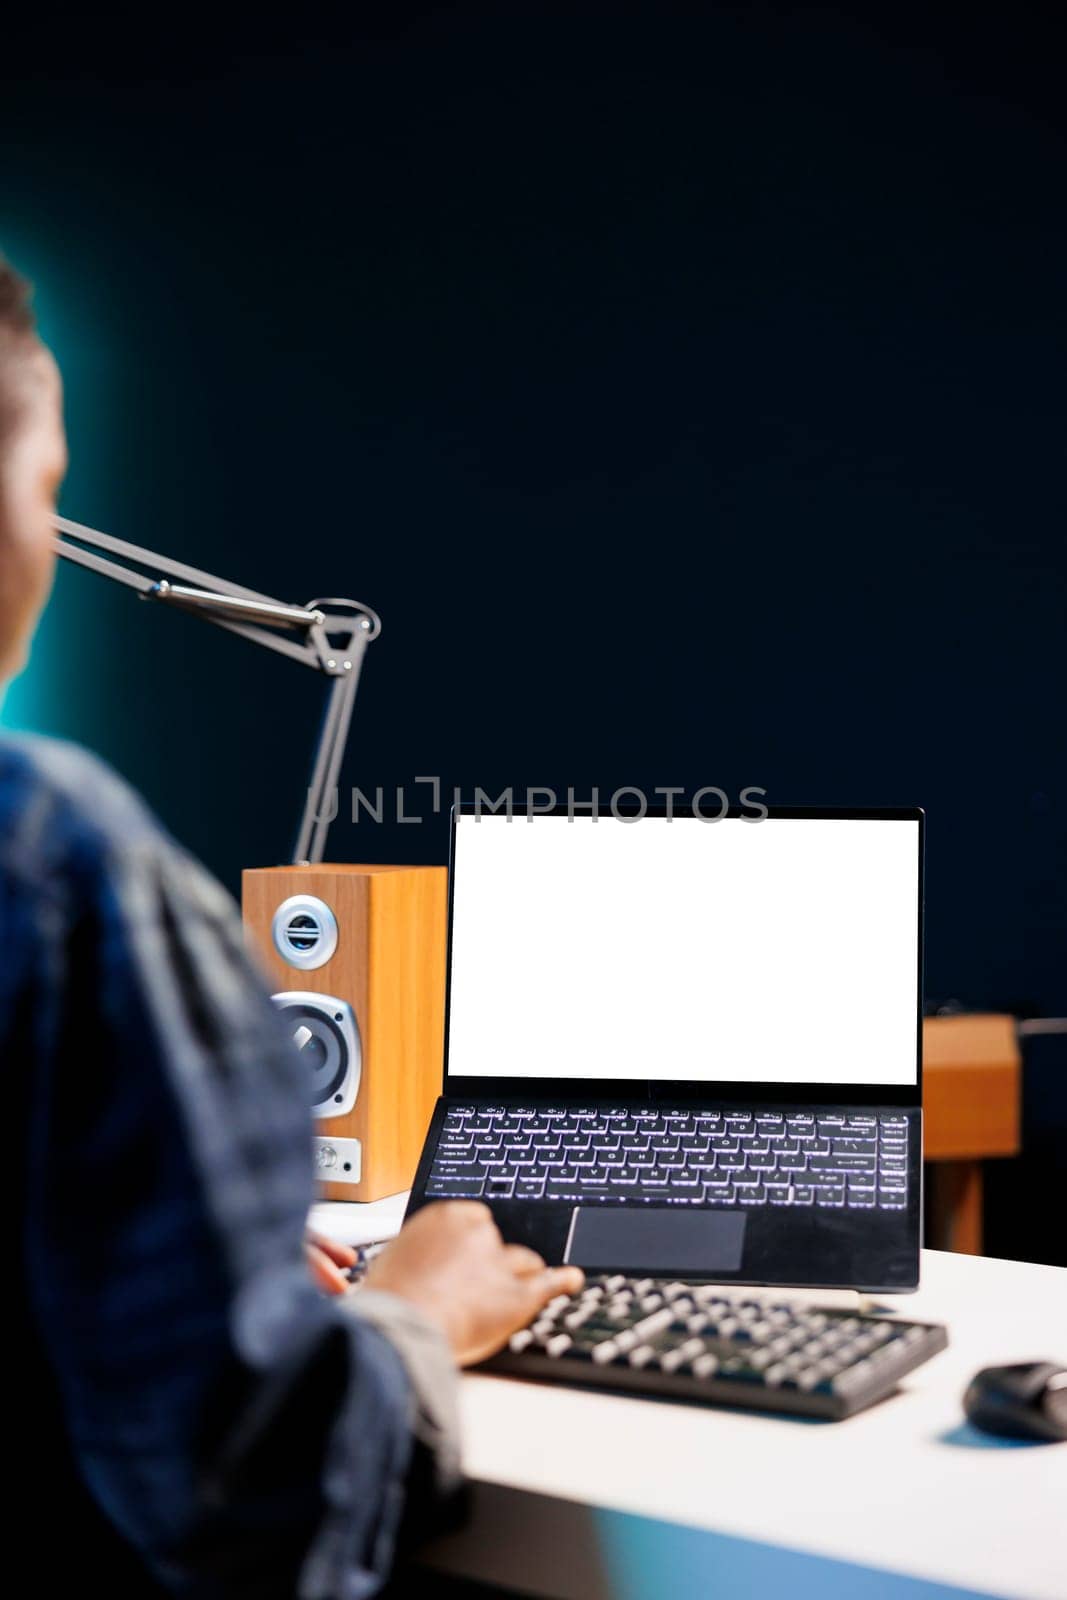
(70, 675)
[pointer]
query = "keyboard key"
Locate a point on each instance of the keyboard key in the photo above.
(455, 1188)
(459, 1169)
(841, 1163)
(563, 1189)
(529, 1188)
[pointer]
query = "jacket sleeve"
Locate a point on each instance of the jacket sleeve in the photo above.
(245, 1433)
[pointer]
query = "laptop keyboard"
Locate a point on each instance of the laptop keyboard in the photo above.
(704, 1158)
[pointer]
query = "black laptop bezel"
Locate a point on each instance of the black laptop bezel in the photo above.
(593, 1091)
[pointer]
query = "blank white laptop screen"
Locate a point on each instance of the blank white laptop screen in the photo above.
(779, 951)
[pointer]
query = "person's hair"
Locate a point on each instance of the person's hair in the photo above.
(18, 332)
(16, 302)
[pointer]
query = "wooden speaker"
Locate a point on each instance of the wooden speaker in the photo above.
(356, 958)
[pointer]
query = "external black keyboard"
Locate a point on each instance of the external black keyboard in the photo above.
(674, 1340)
(710, 1158)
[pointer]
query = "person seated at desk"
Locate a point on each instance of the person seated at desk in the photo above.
(202, 1418)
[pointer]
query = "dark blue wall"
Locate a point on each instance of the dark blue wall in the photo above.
(683, 384)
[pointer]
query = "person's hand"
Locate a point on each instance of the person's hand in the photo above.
(451, 1263)
(329, 1261)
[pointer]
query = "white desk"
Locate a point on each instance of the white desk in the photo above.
(583, 1496)
(359, 1224)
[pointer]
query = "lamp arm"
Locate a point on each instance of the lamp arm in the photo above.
(335, 635)
(326, 769)
(140, 556)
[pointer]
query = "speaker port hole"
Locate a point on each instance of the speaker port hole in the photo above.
(348, 1166)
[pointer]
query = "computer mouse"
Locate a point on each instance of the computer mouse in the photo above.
(1028, 1401)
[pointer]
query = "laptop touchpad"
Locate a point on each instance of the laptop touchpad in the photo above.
(640, 1239)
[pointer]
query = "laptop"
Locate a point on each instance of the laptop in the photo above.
(688, 1048)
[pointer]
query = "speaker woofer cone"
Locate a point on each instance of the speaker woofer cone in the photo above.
(326, 1037)
(323, 1050)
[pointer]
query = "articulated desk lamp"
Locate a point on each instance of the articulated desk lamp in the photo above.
(328, 635)
(374, 937)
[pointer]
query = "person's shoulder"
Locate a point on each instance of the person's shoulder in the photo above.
(58, 801)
